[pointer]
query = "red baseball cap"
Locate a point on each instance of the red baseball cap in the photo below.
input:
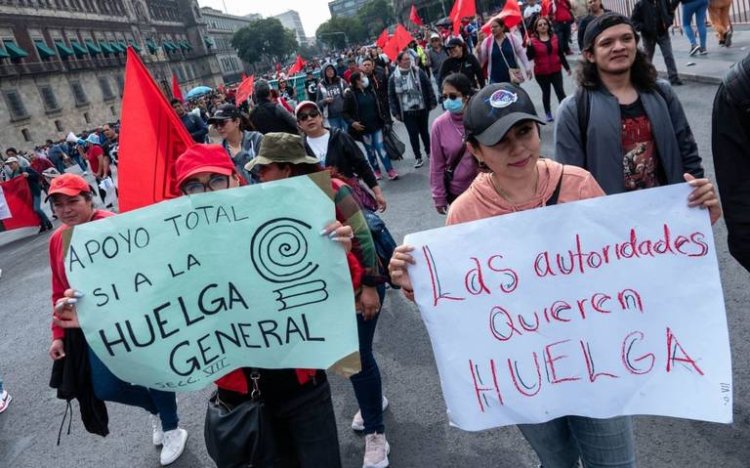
(68, 184)
(203, 158)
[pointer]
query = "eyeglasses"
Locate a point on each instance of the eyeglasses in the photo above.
(216, 182)
(220, 123)
(302, 116)
(451, 96)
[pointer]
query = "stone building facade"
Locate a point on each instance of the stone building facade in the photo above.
(221, 28)
(62, 61)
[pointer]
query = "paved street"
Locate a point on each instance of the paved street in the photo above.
(416, 424)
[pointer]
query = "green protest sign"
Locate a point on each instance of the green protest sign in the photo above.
(180, 293)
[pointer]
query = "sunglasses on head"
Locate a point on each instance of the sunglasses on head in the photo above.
(302, 116)
(451, 96)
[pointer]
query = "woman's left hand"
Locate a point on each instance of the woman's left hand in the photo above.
(65, 314)
(369, 302)
(340, 233)
(704, 195)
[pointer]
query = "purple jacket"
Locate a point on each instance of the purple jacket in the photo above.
(446, 145)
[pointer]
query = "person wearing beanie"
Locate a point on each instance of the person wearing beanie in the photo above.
(267, 116)
(72, 201)
(642, 136)
(503, 133)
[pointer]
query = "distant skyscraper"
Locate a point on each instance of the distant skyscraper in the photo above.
(345, 8)
(290, 20)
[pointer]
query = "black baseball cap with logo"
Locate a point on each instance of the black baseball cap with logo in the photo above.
(225, 112)
(496, 109)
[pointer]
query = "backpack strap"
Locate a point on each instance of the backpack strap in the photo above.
(583, 108)
(552, 200)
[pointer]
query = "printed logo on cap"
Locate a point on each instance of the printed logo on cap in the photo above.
(502, 98)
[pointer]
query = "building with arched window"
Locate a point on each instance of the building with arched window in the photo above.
(62, 61)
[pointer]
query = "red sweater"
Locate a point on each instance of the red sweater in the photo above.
(57, 264)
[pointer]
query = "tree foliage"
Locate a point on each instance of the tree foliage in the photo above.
(265, 38)
(376, 15)
(339, 32)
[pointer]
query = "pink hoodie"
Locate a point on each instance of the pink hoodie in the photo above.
(481, 200)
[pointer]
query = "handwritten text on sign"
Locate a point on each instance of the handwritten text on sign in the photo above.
(180, 293)
(599, 308)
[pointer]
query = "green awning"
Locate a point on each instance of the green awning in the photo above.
(93, 48)
(14, 50)
(3, 54)
(123, 45)
(64, 50)
(116, 47)
(135, 45)
(106, 48)
(182, 45)
(152, 47)
(208, 41)
(80, 51)
(188, 45)
(169, 46)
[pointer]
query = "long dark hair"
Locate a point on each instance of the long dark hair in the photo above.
(461, 82)
(642, 73)
(539, 18)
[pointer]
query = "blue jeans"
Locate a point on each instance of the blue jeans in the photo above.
(376, 149)
(697, 8)
(1, 384)
(36, 202)
(108, 387)
(598, 443)
(305, 431)
(368, 388)
(338, 122)
(81, 163)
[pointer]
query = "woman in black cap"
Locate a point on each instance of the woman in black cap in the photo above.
(461, 61)
(502, 131)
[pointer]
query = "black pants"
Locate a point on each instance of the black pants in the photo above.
(545, 81)
(417, 124)
(563, 36)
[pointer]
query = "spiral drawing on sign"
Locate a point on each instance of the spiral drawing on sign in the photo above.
(279, 250)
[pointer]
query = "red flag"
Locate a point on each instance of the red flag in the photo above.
(152, 138)
(462, 9)
(510, 16)
(383, 38)
(16, 209)
(546, 8)
(391, 48)
(176, 92)
(414, 16)
(243, 76)
(245, 90)
(398, 42)
(299, 64)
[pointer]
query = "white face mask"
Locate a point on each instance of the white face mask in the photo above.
(365, 82)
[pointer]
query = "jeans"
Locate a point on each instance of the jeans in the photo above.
(1, 384)
(108, 387)
(375, 149)
(305, 432)
(697, 8)
(338, 122)
(563, 36)
(368, 387)
(545, 82)
(36, 201)
(416, 125)
(598, 443)
(665, 44)
(81, 163)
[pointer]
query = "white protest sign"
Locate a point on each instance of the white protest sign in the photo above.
(604, 307)
(4, 208)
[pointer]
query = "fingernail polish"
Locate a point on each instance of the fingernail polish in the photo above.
(77, 294)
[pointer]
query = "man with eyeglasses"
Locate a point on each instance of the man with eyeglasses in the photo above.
(240, 145)
(335, 148)
(194, 124)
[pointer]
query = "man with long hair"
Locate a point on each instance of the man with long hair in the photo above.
(642, 136)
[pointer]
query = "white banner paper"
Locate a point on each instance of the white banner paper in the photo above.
(4, 208)
(605, 307)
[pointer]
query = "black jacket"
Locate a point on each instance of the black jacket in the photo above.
(730, 143)
(424, 83)
(468, 65)
(353, 112)
(71, 376)
(268, 117)
(345, 156)
(652, 18)
(379, 82)
(195, 126)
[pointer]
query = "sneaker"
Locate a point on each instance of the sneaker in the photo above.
(376, 451)
(694, 49)
(358, 424)
(702, 51)
(5, 400)
(174, 444)
(728, 39)
(378, 175)
(418, 163)
(392, 174)
(157, 435)
(549, 117)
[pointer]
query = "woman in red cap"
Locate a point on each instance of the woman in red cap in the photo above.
(72, 202)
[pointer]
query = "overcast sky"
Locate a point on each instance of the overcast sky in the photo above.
(311, 12)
